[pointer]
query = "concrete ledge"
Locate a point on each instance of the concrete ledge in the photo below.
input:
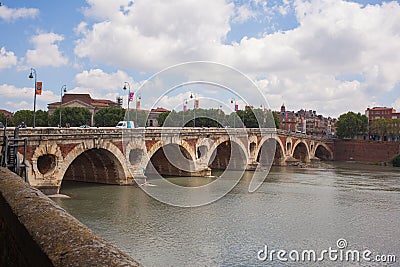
(34, 231)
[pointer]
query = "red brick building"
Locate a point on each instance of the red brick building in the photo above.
(306, 121)
(6, 113)
(381, 113)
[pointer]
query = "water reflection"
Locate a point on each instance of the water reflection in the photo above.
(293, 209)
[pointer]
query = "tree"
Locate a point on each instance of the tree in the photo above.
(378, 128)
(20, 116)
(75, 116)
(162, 117)
(109, 117)
(3, 119)
(141, 116)
(42, 118)
(251, 118)
(351, 124)
(276, 119)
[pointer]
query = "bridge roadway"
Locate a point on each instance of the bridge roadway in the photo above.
(117, 156)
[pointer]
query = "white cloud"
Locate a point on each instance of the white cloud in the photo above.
(306, 65)
(7, 58)
(243, 13)
(156, 34)
(11, 14)
(102, 85)
(46, 51)
(21, 105)
(22, 98)
(100, 80)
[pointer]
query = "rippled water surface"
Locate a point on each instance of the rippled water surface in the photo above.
(294, 209)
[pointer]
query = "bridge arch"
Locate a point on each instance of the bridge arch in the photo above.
(279, 156)
(323, 152)
(100, 162)
(170, 159)
(301, 151)
(228, 152)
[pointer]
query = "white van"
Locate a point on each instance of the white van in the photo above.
(125, 124)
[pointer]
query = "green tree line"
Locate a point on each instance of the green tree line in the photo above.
(250, 118)
(109, 117)
(74, 116)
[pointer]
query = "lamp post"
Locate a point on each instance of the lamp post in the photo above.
(31, 76)
(184, 110)
(129, 95)
(136, 108)
(192, 95)
(233, 101)
(61, 95)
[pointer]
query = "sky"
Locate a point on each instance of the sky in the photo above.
(331, 56)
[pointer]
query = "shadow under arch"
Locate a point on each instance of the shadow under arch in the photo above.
(323, 152)
(300, 152)
(170, 160)
(266, 151)
(228, 155)
(97, 165)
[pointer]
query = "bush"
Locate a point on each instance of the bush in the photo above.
(396, 161)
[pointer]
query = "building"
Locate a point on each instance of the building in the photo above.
(306, 121)
(381, 113)
(82, 100)
(6, 113)
(152, 119)
(383, 130)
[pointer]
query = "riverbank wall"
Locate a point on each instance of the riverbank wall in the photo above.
(365, 151)
(35, 231)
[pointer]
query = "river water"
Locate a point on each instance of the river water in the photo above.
(294, 210)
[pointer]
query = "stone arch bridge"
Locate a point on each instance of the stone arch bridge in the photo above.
(117, 156)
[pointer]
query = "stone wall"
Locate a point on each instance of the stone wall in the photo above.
(365, 151)
(34, 231)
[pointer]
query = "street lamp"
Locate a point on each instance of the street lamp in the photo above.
(184, 110)
(31, 76)
(233, 101)
(136, 108)
(129, 95)
(61, 95)
(192, 95)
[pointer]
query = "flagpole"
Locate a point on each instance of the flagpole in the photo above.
(33, 71)
(129, 97)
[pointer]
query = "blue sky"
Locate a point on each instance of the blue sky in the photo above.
(328, 55)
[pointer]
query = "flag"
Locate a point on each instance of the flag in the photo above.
(196, 104)
(131, 94)
(138, 104)
(184, 108)
(39, 88)
(236, 107)
(286, 115)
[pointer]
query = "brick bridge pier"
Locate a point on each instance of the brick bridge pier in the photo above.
(117, 156)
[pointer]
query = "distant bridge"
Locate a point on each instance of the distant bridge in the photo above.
(117, 156)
